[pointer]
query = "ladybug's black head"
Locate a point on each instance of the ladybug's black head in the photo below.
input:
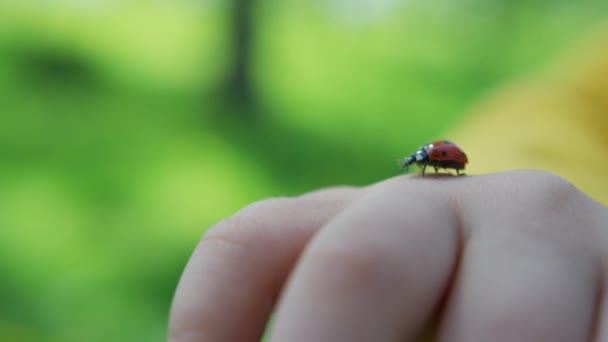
(407, 162)
(419, 157)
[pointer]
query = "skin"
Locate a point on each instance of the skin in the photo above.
(515, 256)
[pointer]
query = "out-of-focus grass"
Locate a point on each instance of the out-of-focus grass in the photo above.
(115, 154)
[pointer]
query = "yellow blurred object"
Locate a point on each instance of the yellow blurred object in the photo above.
(556, 121)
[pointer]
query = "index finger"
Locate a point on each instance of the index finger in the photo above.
(229, 286)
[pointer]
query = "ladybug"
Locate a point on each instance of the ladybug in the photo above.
(438, 154)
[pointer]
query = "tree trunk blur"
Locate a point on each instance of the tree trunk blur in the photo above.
(240, 92)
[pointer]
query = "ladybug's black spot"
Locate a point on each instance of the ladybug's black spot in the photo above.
(447, 142)
(444, 153)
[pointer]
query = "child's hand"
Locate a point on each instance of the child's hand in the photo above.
(516, 256)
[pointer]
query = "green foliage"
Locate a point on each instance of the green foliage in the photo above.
(116, 154)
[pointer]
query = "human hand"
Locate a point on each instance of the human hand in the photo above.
(515, 256)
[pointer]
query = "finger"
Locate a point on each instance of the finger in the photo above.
(601, 322)
(510, 289)
(529, 271)
(600, 215)
(375, 272)
(228, 288)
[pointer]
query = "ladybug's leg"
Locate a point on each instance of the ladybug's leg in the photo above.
(435, 166)
(423, 168)
(458, 172)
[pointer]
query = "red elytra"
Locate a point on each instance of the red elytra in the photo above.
(438, 154)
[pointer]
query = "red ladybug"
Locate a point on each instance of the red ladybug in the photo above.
(438, 154)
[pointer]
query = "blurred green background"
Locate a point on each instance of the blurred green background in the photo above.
(127, 128)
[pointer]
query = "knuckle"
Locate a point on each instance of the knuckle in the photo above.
(551, 193)
(256, 221)
(186, 333)
(348, 264)
(263, 208)
(549, 208)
